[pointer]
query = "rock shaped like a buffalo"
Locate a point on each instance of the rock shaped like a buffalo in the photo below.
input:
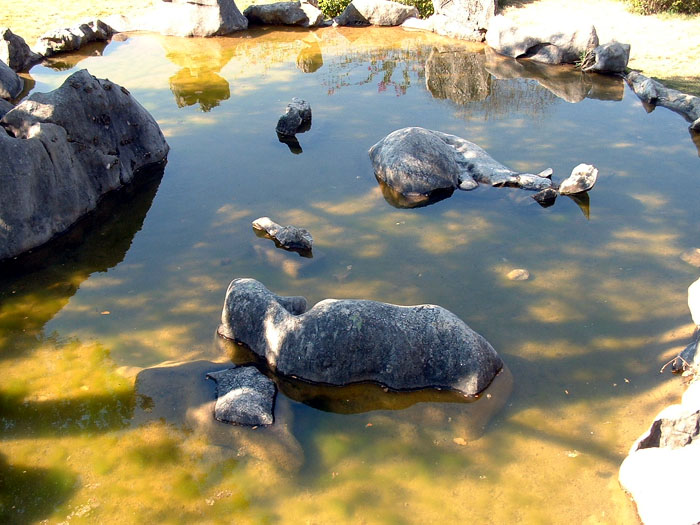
(340, 342)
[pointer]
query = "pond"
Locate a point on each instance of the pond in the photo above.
(142, 282)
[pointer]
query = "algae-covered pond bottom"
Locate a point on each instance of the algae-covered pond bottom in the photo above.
(142, 283)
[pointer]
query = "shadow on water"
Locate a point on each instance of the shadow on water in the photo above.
(29, 494)
(37, 285)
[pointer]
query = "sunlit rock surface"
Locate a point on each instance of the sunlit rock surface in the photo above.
(661, 470)
(608, 58)
(284, 13)
(376, 13)
(583, 177)
(63, 150)
(72, 38)
(341, 342)
(656, 94)
(552, 45)
(416, 163)
(243, 396)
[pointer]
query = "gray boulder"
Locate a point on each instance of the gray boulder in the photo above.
(5, 106)
(243, 396)
(608, 58)
(199, 18)
(654, 93)
(15, 52)
(284, 13)
(10, 83)
(72, 38)
(467, 12)
(415, 162)
(694, 301)
(61, 151)
(660, 466)
(583, 177)
(287, 237)
(540, 44)
(375, 12)
(296, 118)
(340, 342)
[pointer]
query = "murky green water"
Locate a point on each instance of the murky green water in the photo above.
(143, 282)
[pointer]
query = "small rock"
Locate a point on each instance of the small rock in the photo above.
(244, 396)
(608, 58)
(287, 237)
(460, 441)
(546, 197)
(518, 274)
(15, 52)
(296, 119)
(583, 177)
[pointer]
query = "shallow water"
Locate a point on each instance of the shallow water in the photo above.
(143, 282)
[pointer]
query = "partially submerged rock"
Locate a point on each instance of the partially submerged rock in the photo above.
(340, 342)
(656, 94)
(10, 83)
(287, 237)
(608, 58)
(61, 151)
(296, 118)
(284, 13)
(541, 44)
(660, 466)
(15, 52)
(546, 197)
(72, 38)
(417, 162)
(375, 12)
(243, 396)
(583, 177)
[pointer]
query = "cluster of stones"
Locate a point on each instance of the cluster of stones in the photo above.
(419, 166)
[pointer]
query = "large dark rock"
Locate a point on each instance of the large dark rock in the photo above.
(61, 151)
(243, 396)
(375, 12)
(340, 342)
(284, 13)
(10, 83)
(417, 162)
(72, 38)
(5, 106)
(654, 93)
(15, 52)
(541, 44)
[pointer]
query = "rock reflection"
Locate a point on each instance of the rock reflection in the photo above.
(310, 58)
(457, 75)
(567, 83)
(66, 61)
(201, 60)
(36, 286)
(414, 200)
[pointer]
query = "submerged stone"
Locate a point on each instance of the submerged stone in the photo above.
(287, 237)
(341, 342)
(243, 396)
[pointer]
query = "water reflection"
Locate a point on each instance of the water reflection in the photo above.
(310, 58)
(458, 76)
(565, 82)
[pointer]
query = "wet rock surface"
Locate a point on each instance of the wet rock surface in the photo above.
(296, 118)
(287, 237)
(61, 151)
(243, 396)
(341, 342)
